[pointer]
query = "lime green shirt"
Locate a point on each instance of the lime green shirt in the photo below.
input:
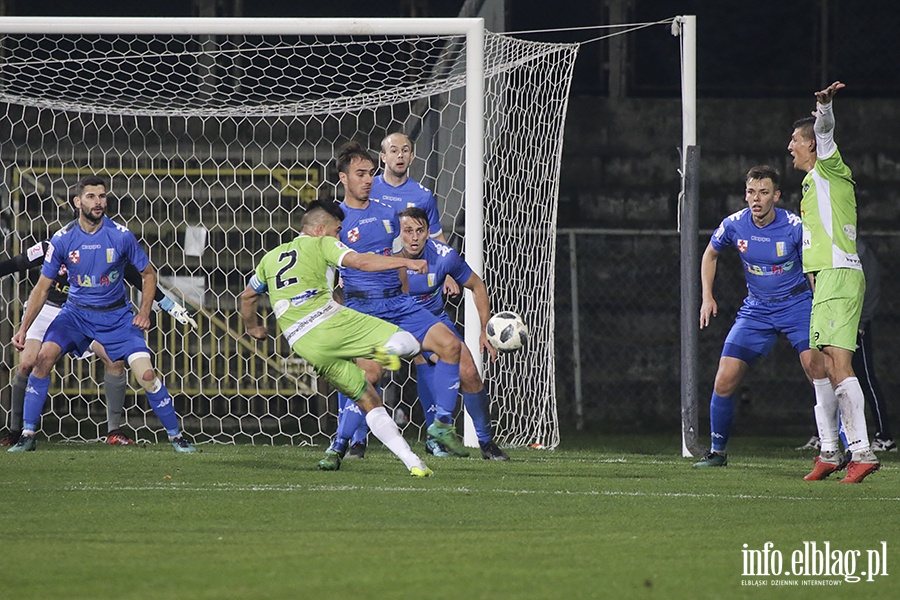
(828, 212)
(299, 277)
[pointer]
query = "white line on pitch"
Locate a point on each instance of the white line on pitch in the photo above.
(226, 487)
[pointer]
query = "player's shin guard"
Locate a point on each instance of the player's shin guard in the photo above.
(384, 428)
(425, 389)
(851, 403)
(162, 404)
(721, 415)
(17, 402)
(478, 407)
(35, 396)
(114, 389)
(446, 390)
(350, 418)
(826, 411)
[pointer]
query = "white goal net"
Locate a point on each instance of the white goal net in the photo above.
(212, 145)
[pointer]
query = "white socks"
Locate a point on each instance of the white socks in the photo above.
(851, 402)
(384, 428)
(826, 415)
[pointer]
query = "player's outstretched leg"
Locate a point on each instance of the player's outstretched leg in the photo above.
(384, 428)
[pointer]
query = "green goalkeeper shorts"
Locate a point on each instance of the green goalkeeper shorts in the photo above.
(331, 347)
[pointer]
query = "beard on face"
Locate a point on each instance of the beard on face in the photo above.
(89, 215)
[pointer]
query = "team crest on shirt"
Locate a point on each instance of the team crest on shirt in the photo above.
(353, 235)
(75, 257)
(742, 245)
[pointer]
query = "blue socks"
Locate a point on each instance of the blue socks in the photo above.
(446, 390)
(162, 404)
(350, 419)
(425, 389)
(478, 408)
(35, 396)
(721, 414)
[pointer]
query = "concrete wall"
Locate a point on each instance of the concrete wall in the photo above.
(620, 159)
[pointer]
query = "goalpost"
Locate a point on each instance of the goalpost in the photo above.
(215, 132)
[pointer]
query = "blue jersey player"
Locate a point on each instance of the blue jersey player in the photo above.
(397, 189)
(94, 251)
(778, 300)
(370, 226)
(426, 289)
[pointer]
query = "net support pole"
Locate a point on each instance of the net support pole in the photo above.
(474, 205)
(690, 304)
(688, 218)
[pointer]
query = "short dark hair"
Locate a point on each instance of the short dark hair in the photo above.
(765, 172)
(805, 125)
(348, 152)
(317, 210)
(88, 180)
(414, 212)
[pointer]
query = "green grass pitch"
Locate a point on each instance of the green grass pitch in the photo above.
(606, 517)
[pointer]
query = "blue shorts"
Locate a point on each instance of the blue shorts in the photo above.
(74, 329)
(402, 311)
(758, 324)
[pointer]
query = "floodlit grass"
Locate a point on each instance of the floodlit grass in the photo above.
(603, 518)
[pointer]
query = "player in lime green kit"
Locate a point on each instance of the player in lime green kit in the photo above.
(830, 260)
(298, 277)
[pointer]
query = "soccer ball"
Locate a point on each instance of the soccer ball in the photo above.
(506, 331)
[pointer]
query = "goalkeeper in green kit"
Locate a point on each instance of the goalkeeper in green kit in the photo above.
(830, 260)
(298, 277)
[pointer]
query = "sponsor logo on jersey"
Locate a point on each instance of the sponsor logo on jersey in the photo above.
(75, 257)
(303, 297)
(353, 235)
(756, 238)
(742, 245)
(49, 252)
(340, 245)
(110, 255)
(93, 281)
(90, 246)
(779, 248)
(769, 270)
